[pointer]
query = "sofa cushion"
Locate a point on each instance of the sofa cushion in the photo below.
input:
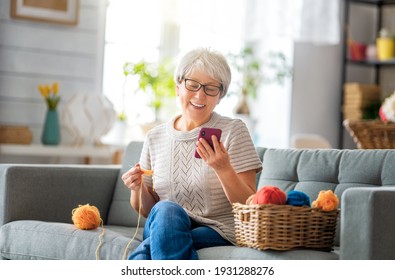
(28, 240)
(121, 212)
(313, 170)
(50, 192)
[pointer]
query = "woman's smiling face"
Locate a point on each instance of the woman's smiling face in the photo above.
(197, 106)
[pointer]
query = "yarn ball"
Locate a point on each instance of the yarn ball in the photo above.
(387, 109)
(298, 198)
(326, 201)
(86, 217)
(270, 195)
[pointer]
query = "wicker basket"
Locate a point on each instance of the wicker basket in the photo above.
(284, 227)
(15, 134)
(371, 134)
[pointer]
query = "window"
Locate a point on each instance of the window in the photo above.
(154, 29)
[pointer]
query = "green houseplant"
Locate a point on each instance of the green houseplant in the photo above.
(154, 79)
(253, 72)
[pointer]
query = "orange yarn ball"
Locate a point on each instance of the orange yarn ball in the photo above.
(326, 200)
(86, 217)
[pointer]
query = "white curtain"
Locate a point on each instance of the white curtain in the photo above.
(319, 22)
(316, 21)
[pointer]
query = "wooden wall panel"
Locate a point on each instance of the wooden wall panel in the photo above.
(25, 86)
(27, 61)
(51, 39)
(33, 53)
(22, 113)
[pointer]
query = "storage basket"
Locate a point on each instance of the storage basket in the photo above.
(284, 227)
(371, 134)
(15, 134)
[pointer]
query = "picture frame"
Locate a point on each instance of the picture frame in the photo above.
(50, 11)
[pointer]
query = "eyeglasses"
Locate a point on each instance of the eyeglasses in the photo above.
(209, 90)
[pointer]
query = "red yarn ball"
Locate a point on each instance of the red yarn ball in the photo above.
(270, 195)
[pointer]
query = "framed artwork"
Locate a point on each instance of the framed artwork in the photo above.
(53, 11)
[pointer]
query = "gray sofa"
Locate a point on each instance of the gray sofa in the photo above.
(36, 203)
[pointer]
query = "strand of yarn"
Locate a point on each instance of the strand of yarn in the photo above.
(145, 173)
(101, 237)
(87, 217)
(149, 173)
(138, 222)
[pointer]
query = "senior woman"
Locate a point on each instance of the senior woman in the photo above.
(190, 205)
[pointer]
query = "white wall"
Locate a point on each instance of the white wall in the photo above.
(316, 87)
(33, 53)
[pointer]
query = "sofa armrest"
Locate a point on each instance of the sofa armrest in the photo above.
(367, 223)
(51, 192)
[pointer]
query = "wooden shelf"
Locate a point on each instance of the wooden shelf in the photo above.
(85, 152)
(374, 2)
(377, 6)
(390, 62)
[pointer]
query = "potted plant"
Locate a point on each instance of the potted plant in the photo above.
(252, 71)
(154, 79)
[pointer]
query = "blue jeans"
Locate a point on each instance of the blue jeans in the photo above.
(169, 234)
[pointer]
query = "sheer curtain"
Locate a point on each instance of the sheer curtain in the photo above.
(156, 29)
(315, 21)
(320, 22)
(272, 26)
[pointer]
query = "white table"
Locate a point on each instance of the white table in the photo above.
(85, 152)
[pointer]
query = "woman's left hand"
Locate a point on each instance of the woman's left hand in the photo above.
(216, 157)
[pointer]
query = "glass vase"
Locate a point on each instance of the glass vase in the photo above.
(51, 130)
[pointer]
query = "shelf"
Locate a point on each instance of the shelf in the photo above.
(372, 62)
(376, 65)
(86, 152)
(374, 2)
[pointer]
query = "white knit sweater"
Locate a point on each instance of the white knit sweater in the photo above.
(190, 182)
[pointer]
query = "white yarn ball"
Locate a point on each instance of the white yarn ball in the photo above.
(388, 108)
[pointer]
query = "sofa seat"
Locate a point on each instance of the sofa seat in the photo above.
(51, 241)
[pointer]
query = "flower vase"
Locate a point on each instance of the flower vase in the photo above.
(51, 131)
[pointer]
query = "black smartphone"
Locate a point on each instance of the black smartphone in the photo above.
(206, 133)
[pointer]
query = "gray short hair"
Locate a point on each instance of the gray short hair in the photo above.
(210, 61)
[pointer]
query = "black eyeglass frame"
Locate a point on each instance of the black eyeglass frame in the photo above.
(220, 88)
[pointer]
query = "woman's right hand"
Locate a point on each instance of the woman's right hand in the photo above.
(132, 178)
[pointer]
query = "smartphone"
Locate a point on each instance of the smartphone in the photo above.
(206, 133)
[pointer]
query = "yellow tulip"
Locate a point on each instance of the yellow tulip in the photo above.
(48, 89)
(43, 90)
(55, 88)
(50, 94)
